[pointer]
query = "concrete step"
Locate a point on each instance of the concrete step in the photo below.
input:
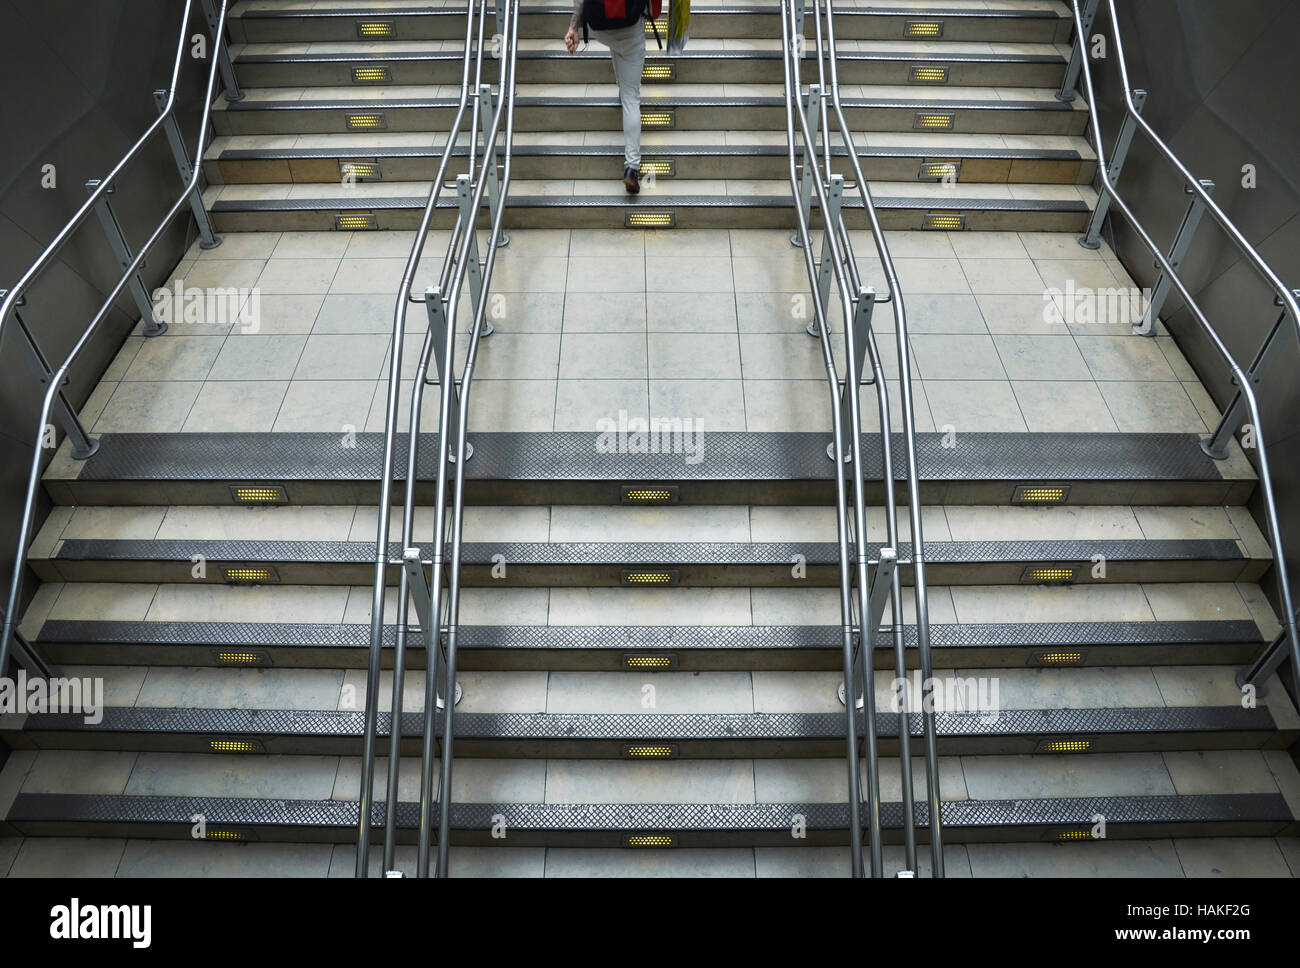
(359, 65)
(625, 546)
(563, 468)
(867, 108)
(668, 155)
(382, 23)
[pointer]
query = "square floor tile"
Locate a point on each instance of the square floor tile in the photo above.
(594, 356)
(236, 407)
(974, 405)
(583, 404)
(1052, 407)
(697, 356)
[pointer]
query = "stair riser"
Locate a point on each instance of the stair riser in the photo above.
(473, 659)
(614, 216)
(611, 749)
(592, 70)
(523, 837)
(609, 494)
(574, 116)
(702, 575)
(559, 165)
(704, 24)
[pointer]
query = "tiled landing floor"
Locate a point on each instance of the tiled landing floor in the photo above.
(705, 324)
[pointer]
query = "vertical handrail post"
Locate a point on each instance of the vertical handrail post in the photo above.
(826, 268)
(207, 238)
(232, 92)
(1234, 415)
(117, 242)
(1077, 53)
(812, 112)
(1146, 326)
(1110, 173)
(467, 216)
(82, 444)
(487, 107)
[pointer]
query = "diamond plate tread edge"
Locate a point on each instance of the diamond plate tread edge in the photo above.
(283, 634)
(645, 554)
(573, 456)
(341, 816)
(666, 727)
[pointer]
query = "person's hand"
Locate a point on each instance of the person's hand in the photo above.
(571, 40)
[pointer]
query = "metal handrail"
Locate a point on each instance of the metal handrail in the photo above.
(451, 280)
(841, 511)
(506, 105)
(12, 298)
(1284, 295)
(404, 298)
(857, 302)
(894, 295)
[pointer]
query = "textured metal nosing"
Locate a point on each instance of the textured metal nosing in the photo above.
(702, 57)
(577, 150)
(681, 103)
(618, 638)
(563, 456)
(648, 553)
(1118, 810)
(707, 727)
(765, 10)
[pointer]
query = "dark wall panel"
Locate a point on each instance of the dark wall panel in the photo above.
(1223, 86)
(78, 78)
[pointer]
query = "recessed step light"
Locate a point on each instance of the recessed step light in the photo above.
(1041, 494)
(371, 74)
(934, 121)
(1047, 575)
(922, 74)
(356, 221)
(649, 840)
(649, 751)
(236, 657)
(929, 29)
(649, 220)
(259, 575)
(360, 171)
(658, 72)
(374, 28)
(658, 118)
(641, 577)
(649, 494)
(939, 171)
(665, 167)
(944, 221)
(225, 835)
(650, 663)
(374, 121)
(1064, 746)
(234, 746)
(1058, 657)
(258, 494)
(1071, 835)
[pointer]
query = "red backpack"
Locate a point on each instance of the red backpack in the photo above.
(613, 14)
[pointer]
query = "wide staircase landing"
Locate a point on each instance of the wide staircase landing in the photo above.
(1132, 668)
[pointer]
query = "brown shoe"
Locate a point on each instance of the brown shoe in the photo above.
(631, 180)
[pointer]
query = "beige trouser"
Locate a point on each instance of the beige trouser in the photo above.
(627, 48)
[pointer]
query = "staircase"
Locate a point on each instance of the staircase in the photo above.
(1094, 577)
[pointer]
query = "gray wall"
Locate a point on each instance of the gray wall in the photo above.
(1223, 89)
(78, 78)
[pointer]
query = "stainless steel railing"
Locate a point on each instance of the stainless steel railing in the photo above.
(462, 258)
(1245, 403)
(858, 303)
(190, 196)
